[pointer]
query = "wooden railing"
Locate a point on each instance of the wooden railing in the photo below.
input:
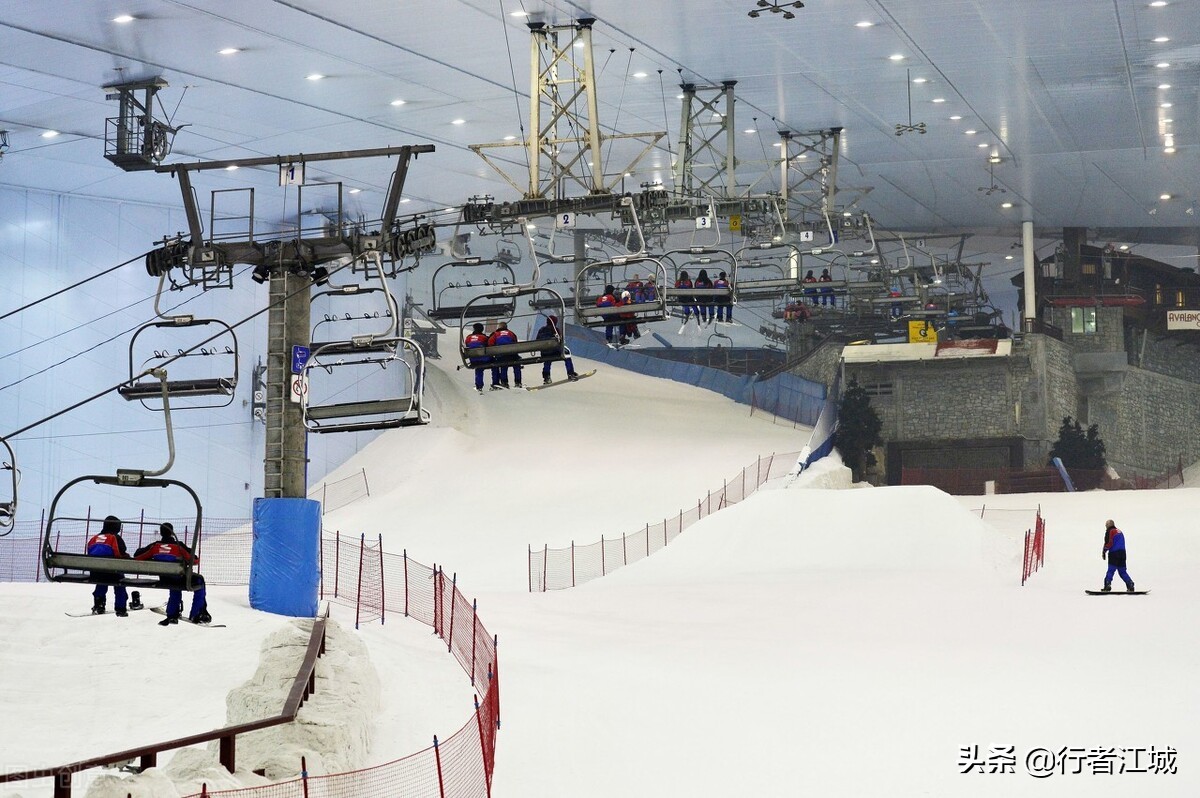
(303, 686)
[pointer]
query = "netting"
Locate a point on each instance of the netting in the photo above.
(555, 569)
(339, 493)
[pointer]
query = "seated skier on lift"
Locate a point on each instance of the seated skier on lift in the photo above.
(169, 549)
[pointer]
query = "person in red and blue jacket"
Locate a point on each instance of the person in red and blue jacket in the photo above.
(108, 543)
(1114, 551)
(168, 549)
(704, 311)
(476, 340)
(608, 300)
(684, 281)
(501, 336)
(724, 304)
(550, 330)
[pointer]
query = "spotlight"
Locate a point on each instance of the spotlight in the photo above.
(753, 15)
(261, 273)
(319, 275)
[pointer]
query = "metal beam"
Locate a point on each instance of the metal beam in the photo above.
(284, 160)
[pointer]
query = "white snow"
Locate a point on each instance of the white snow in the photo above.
(814, 639)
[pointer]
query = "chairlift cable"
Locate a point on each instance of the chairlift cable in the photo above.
(70, 287)
(516, 94)
(662, 91)
(617, 117)
(167, 362)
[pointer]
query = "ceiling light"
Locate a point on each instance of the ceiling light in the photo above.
(864, 24)
(531, 226)
(1158, 3)
(579, 44)
(920, 80)
(749, 130)
(896, 57)
(993, 158)
(123, 19)
(777, 144)
(315, 76)
(1165, 105)
(49, 134)
(1008, 257)
(398, 103)
(1124, 247)
(970, 132)
(1164, 196)
(458, 121)
(639, 74)
(982, 145)
(1161, 39)
(355, 190)
(1168, 150)
(231, 168)
(518, 13)
(1164, 86)
(510, 138)
(678, 96)
(939, 99)
(1005, 204)
(1163, 65)
(406, 199)
(228, 51)
(955, 118)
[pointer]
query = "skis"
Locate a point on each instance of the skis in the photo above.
(1116, 592)
(183, 619)
(89, 613)
(578, 377)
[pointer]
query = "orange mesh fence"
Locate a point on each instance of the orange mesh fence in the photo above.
(1035, 548)
(555, 569)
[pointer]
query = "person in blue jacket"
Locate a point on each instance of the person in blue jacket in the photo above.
(108, 543)
(550, 330)
(1114, 551)
(169, 549)
(608, 300)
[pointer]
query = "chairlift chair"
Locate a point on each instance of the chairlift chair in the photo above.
(522, 353)
(8, 505)
(401, 402)
(386, 314)
(692, 260)
(768, 270)
(592, 279)
(451, 294)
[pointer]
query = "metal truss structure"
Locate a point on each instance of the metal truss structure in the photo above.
(707, 162)
(565, 147)
(134, 140)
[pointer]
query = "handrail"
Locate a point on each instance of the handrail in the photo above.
(302, 687)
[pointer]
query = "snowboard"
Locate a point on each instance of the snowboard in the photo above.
(89, 613)
(581, 375)
(1116, 592)
(183, 619)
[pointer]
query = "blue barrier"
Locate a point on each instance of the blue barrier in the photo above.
(784, 395)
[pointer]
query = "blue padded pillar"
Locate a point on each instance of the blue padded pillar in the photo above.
(285, 564)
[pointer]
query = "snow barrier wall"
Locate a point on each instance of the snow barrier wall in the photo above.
(784, 395)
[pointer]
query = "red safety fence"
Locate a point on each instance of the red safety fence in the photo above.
(1035, 548)
(555, 569)
(359, 574)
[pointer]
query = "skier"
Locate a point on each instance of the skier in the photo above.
(550, 330)
(608, 300)
(826, 293)
(169, 549)
(810, 292)
(477, 340)
(684, 281)
(108, 543)
(705, 311)
(501, 336)
(629, 328)
(724, 304)
(1114, 551)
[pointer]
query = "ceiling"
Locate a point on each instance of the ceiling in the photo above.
(1067, 93)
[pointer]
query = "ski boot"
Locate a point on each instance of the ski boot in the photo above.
(135, 602)
(573, 377)
(1107, 588)
(122, 612)
(98, 607)
(202, 617)
(546, 380)
(1129, 587)
(170, 619)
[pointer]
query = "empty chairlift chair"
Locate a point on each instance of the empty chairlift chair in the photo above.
(456, 283)
(8, 485)
(388, 374)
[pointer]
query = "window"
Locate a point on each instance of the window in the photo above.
(878, 388)
(1083, 320)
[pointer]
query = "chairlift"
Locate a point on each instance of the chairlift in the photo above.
(692, 260)
(545, 302)
(209, 366)
(768, 270)
(618, 272)
(453, 289)
(8, 500)
(507, 251)
(66, 520)
(396, 361)
(385, 310)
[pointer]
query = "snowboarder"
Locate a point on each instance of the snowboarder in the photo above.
(1114, 551)
(477, 340)
(550, 330)
(108, 543)
(169, 549)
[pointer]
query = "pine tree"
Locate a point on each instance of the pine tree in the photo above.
(1081, 452)
(858, 430)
